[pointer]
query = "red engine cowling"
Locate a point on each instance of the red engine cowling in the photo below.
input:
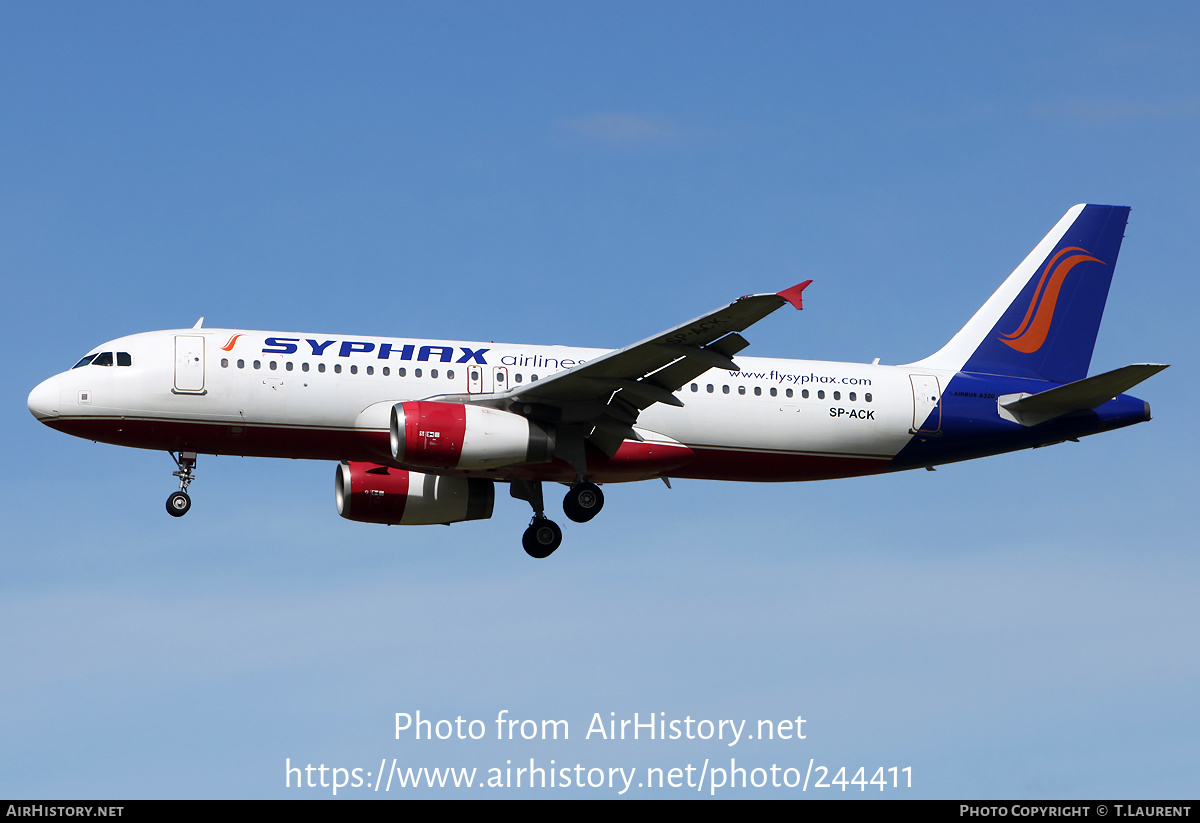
(456, 436)
(370, 493)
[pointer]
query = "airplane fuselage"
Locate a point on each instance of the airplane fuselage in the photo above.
(328, 397)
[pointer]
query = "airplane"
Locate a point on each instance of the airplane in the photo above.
(423, 430)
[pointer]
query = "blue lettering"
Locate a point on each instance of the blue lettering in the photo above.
(445, 353)
(319, 348)
(354, 346)
(385, 351)
(281, 345)
(472, 355)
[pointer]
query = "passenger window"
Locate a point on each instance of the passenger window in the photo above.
(519, 378)
(370, 369)
(304, 367)
(804, 393)
(710, 388)
(741, 389)
(788, 392)
(321, 368)
(837, 395)
(241, 364)
(695, 387)
(224, 362)
(774, 391)
(820, 394)
(416, 372)
(758, 391)
(354, 369)
(725, 389)
(867, 397)
(123, 359)
(288, 365)
(337, 368)
(274, 365)
(104, 359)
(84, 361)
(386, 371)
(258, 364)
(450, 374)
(852, 396)
(400, 372)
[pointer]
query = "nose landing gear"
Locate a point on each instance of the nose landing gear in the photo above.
(179, 502)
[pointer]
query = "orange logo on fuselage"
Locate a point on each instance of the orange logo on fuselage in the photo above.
(229, 346)
(1031, 334)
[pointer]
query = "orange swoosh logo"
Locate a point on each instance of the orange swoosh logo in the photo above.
(1031, 334)
(229, 346)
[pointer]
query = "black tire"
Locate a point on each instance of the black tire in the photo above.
(583, 502)
(178, 504)
(541, 538)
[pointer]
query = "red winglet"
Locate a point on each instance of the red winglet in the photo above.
(794, 294)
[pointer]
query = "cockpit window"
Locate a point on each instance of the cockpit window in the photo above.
(124, 358)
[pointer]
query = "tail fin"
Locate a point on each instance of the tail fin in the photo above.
(1042, 322)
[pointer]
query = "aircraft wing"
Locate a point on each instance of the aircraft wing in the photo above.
(604, 396)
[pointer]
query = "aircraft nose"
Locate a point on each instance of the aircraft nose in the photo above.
(44, 399)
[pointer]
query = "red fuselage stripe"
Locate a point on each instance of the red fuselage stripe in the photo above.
(635, 461)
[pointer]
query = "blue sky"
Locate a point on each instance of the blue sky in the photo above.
(591, 174)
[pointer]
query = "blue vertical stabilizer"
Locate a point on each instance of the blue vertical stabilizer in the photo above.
(1042, 322)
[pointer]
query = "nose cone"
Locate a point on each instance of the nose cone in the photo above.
(44, 400)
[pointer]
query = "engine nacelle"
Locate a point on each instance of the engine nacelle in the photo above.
(457, 436)
(370, 493)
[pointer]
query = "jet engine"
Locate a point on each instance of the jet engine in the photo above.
(370, 493)
(456, 436)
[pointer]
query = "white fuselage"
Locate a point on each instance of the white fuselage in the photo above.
(329, 396)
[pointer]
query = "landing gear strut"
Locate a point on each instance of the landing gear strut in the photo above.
(179, 502)
(543, 535)
(583, 502)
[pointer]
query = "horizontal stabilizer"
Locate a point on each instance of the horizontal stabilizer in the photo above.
(1031, 409)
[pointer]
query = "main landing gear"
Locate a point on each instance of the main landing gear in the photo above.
(582, 503)
(179, 502)
(541, 538)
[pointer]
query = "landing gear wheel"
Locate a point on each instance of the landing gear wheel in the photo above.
(178, 504)
(541, 538)
(583, 502)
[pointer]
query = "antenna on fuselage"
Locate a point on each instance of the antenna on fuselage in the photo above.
(199, 323)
